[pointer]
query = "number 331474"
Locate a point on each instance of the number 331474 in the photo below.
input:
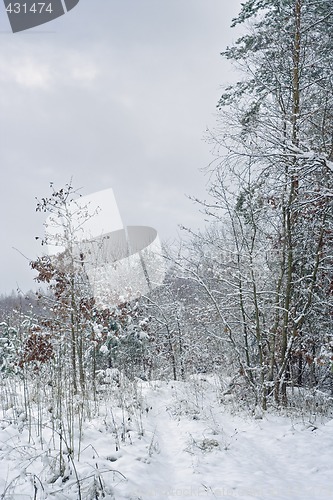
(35, 8)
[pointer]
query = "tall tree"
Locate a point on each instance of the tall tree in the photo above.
(273, 180)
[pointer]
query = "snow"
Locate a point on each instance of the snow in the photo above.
(169, 440)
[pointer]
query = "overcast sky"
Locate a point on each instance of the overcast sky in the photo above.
(116, 93)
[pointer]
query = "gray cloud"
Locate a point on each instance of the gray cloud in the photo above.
(114, 94)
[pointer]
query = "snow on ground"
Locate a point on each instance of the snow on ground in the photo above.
(169, 440)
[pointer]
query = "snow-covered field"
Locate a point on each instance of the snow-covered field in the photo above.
(168, 440)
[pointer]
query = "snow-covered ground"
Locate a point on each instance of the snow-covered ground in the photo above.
(169, 440)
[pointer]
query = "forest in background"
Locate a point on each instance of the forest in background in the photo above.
(249, 297)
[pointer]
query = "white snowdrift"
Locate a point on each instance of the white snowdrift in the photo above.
(169, 440)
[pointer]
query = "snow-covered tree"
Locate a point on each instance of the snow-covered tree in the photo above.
(272, 180)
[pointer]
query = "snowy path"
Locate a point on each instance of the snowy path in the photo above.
(173, 465)
(184, 444)
(212, 454)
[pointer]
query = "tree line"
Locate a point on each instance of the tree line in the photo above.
(251, 295)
